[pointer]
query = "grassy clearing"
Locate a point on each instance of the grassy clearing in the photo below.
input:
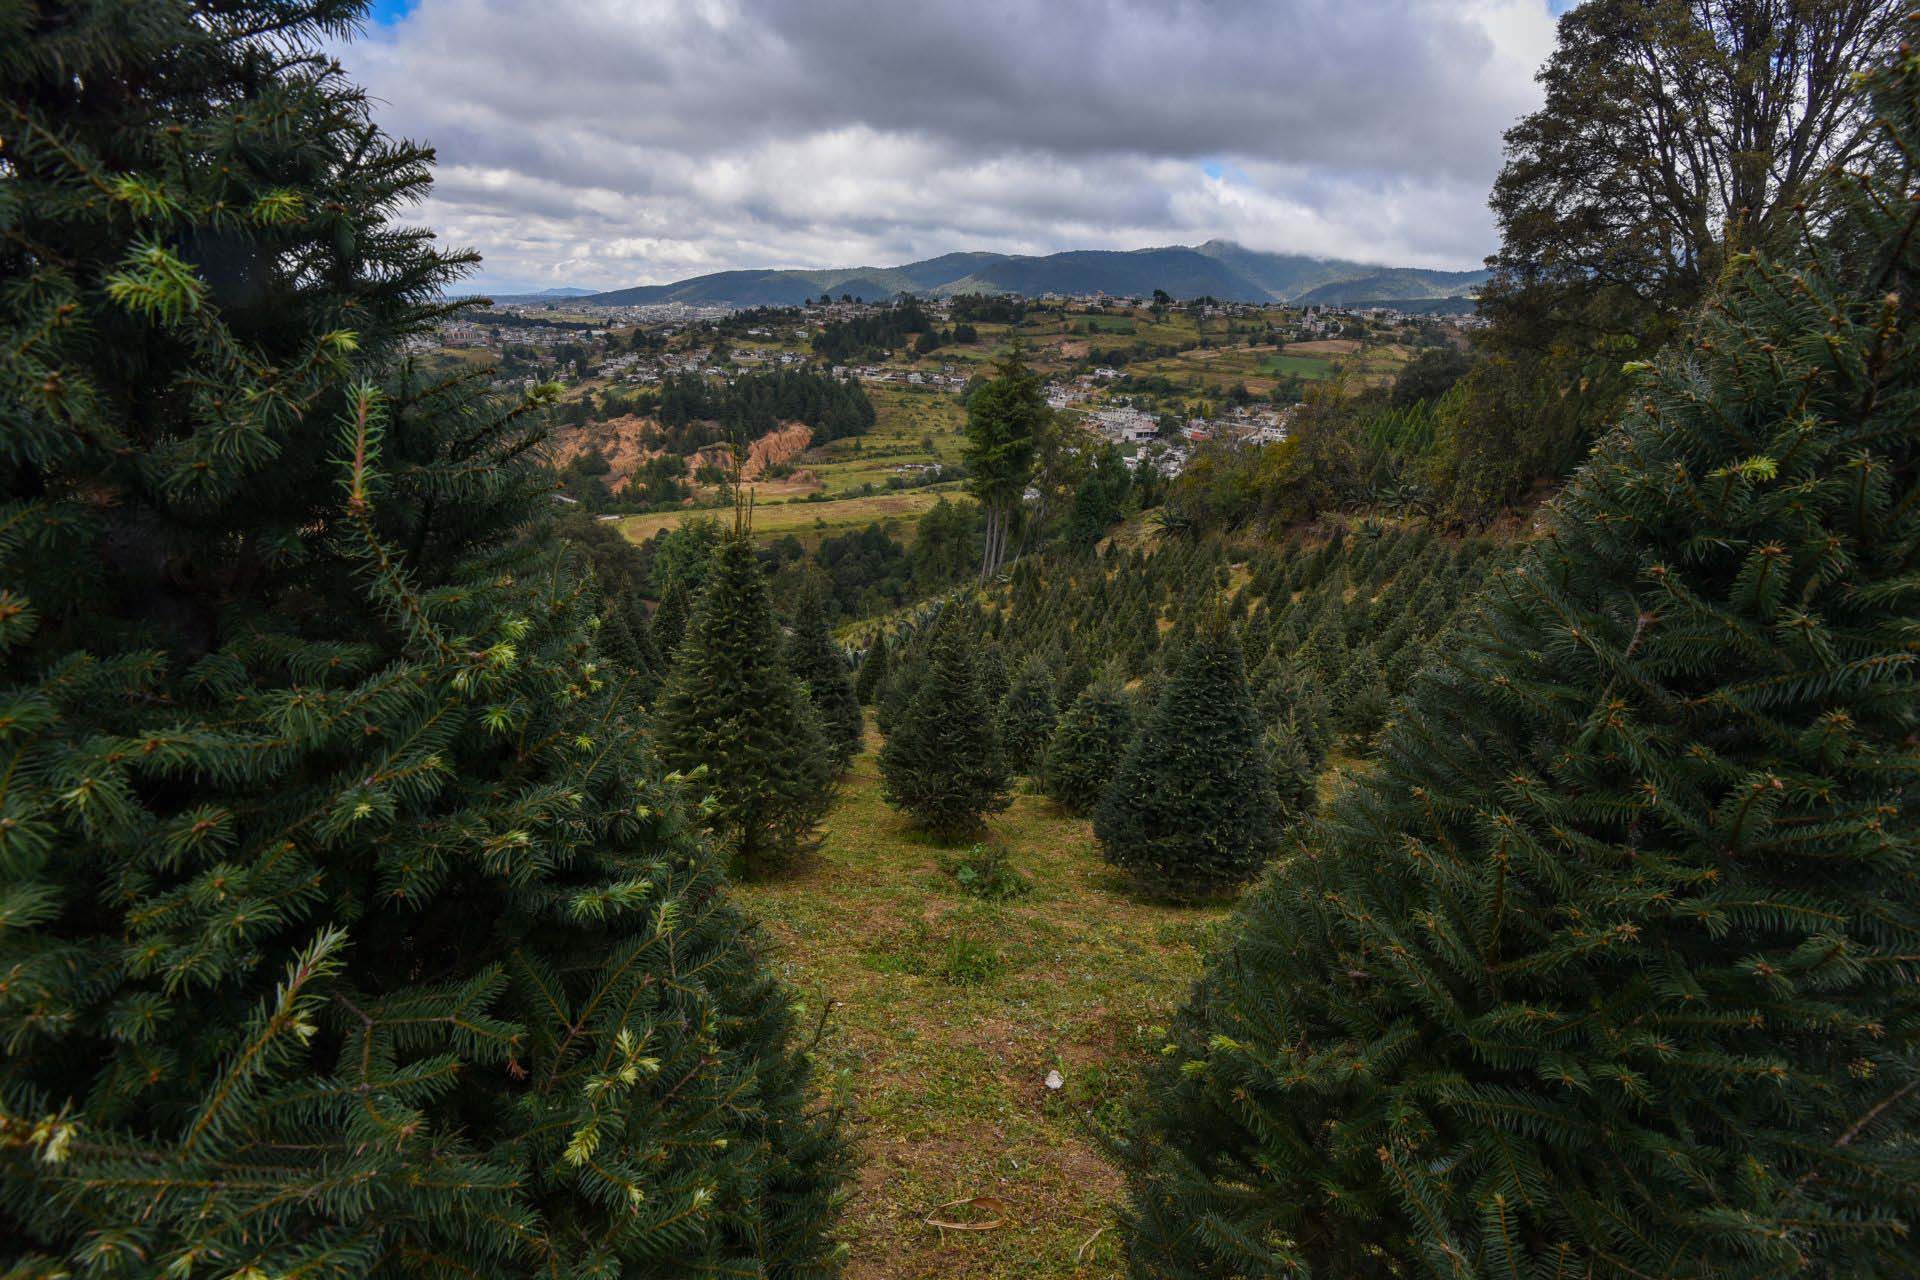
(948, 1013)
(912, 424)
(1297, 366)
(812, 521)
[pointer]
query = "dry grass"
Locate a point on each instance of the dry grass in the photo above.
(948, 1013)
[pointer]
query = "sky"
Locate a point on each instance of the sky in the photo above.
(603, 143)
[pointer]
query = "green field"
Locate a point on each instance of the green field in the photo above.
(947, 1013)
(898, 511)
(1296, 366)
(907, 420)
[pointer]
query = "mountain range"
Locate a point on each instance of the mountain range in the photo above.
(1218, 268)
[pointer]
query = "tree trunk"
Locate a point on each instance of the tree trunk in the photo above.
(995, 540)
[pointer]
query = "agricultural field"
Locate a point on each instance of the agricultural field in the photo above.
(945, 1014)
(897, 510)
(913, 425)
(1212, 370)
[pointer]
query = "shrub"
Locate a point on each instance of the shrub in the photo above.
(986, 872)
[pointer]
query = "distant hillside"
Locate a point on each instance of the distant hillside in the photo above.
(1384, 286)
(564, 292)
(1218, 268)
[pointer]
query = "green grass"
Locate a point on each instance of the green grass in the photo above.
(1296, 366)
(907, 419)
(947, 1013)
(812, 521)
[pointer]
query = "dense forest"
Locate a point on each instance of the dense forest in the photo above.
(695, 411)
(1539, 724)
(873, 334)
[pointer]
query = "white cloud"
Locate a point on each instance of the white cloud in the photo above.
(607, 143)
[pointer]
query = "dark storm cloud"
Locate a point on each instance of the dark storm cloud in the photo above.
(611, 143)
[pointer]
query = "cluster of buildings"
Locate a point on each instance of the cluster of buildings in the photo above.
(1250, 424)
(1124, 425)
(913, 377)
(1139, 432)
(780, 359)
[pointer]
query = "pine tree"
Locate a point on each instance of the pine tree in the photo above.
(990, 664)
(941, 762)
(816, 660)
(1608, 969)
(1027, 718)
(670, 620)
(650, 664)
(1006, 417)
(1088, 747)
(1192, 809)
(348, 926)
(873, 671)
(1294, 767)
(732, 705)
(626, 640)
(908, 669)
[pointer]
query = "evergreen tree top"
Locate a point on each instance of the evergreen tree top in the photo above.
(732, 704)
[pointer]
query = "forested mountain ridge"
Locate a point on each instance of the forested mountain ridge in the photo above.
(1218, 268)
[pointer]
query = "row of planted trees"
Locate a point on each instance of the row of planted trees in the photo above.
(1605, 965)
(1184, 696)
(1608, 967)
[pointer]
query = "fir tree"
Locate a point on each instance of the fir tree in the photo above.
(732, 705)
(1608, 969)
(873, 671)
(902, 681)
(1088, 747)
(814, 658)
(1294, 767)
(626, 639)
(1192, 809)
(990, 664)
(347, 924)
(1027, 718)
(671, 618)
(650, 664)
(941, 762)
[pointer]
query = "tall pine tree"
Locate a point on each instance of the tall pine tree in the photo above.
(815, 659)
(1192, 810)
(1609, 969)
(941, 761)
(671, 618)
(732, 705)
(347, 925)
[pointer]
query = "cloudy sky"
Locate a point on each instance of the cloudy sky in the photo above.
(615, 142)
